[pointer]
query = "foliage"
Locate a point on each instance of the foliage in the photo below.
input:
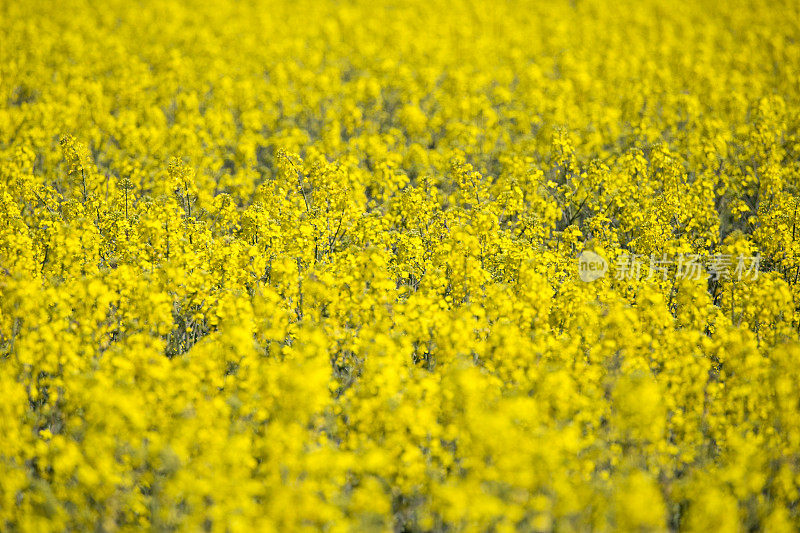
(276, 266)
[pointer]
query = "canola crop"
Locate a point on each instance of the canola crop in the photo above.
(287, 266)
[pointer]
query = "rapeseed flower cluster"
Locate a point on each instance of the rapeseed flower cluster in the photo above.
(284, 266)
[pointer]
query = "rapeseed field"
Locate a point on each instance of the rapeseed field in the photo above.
(399, 266)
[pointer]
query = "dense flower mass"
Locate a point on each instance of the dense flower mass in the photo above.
(310, 265)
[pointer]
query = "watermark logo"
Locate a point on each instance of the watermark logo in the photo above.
(591, 266)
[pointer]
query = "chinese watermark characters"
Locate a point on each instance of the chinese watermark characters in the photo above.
(592, 266)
